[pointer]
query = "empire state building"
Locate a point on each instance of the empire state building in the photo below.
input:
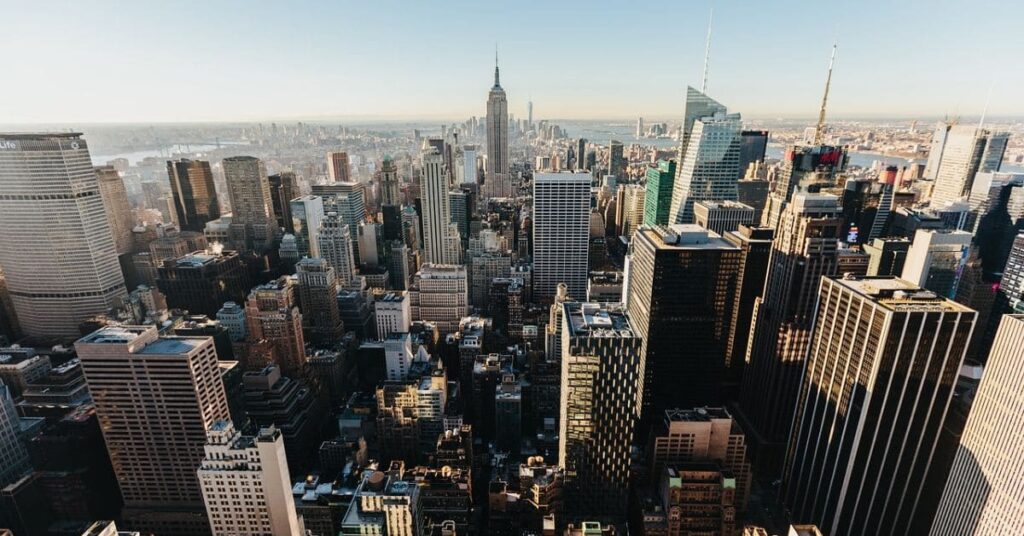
(497, 182)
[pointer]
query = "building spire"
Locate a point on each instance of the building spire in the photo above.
(984, 112)
(819, 131)
(707, 55)
(496, 83)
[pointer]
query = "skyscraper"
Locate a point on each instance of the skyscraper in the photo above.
(283, 189)
(440, 294)
(335, 244)
(318, 298)
(195, 195)
(806, 169)
(966, 151)
(561, 231)
(245, 483)
(602, 377)
(117, 207)
(935, 260)
(155, 398)
(709, 157)
(804, 249)
(668, 314)
(58, 252)
(272, 314)
(982, 494)
(14, 461)
(616, 159)
(307, 213)
(755, 245)
(658, 198)
(581, 154)
(753, 145)
(253, 223)
(389, 192)
(497, 182)
(338, 166)
(883, 361)
(722, 216)
(436, 209)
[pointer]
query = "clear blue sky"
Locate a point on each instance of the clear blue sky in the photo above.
(149, 61)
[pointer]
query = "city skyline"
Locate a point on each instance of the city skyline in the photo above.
(343, 68)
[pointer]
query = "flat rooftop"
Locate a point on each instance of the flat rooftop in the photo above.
(898, 294)
(687, 236)
(597, 320)
(717, 205)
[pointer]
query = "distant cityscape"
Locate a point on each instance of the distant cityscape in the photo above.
(509, 325)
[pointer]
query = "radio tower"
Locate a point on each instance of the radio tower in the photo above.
(819, 131)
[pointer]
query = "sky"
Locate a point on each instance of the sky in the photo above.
(231, 60)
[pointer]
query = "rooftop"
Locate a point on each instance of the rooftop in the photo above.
(597, 320)
(898, 294)
(716, 205)
(687, 236)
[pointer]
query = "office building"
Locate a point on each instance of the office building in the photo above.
(283, 188)
(245, 483)
(272, 314)
(699, 497)
(117, 207)
(616, 160)
(20, 367)
(145, 387)
(698, 106)
(469, 167)
(497, 181)
(629, 209)
(755, 244)
(882, 364)
(722, 216)
(14, 461)
(561, 223)
(58, 254)
(658, 197)
(338, 167)
(804, 249)
(887, 255)
(202, 281)
(440, 295)
(982, 493)
(318, 297)
(195, 195)
(392, 313)
(508, 413)
(806, 169)
(935, 260)
(383, 503)
(289, 405)
(389, 184)
(668, 315)
(602, 378)
(967, 150)
(753, 144)
(253, 222)
(307, 214)
(232, 317)
(334, 239)
(436, 210)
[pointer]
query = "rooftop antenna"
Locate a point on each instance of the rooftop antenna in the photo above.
(496, 84)
(707, 55)
(819, 131)
(984, 112)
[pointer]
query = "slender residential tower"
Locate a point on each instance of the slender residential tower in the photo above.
(497, 182)
(58, 251)
(253, 223)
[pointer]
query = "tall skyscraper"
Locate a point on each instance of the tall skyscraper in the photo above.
(469, 173)
(561, 232)
(253, 223)
(616, 159)
(982, 494)
(755, 245)
(272, 314)
(195, 195)
(658, 198)
(935, 260)
(939, 135)
(155, 398)
(335, 246)
(581, 154)
(436, 209)
(805, 169)
(497, 182)
(804, 249)
(14, 461)
(58, 252)
(753, 145)
(338, 166)
(668, 315)
(318, 298)
(882, 365)
(709, 158)
(283, 189)
(602, 377)
(245, 482)
(117, 207)
(966, 151)
(389, 187)
(307, 214)
(440, 294)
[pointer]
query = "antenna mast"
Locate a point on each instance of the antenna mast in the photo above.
(819, 131)
(707, 55)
